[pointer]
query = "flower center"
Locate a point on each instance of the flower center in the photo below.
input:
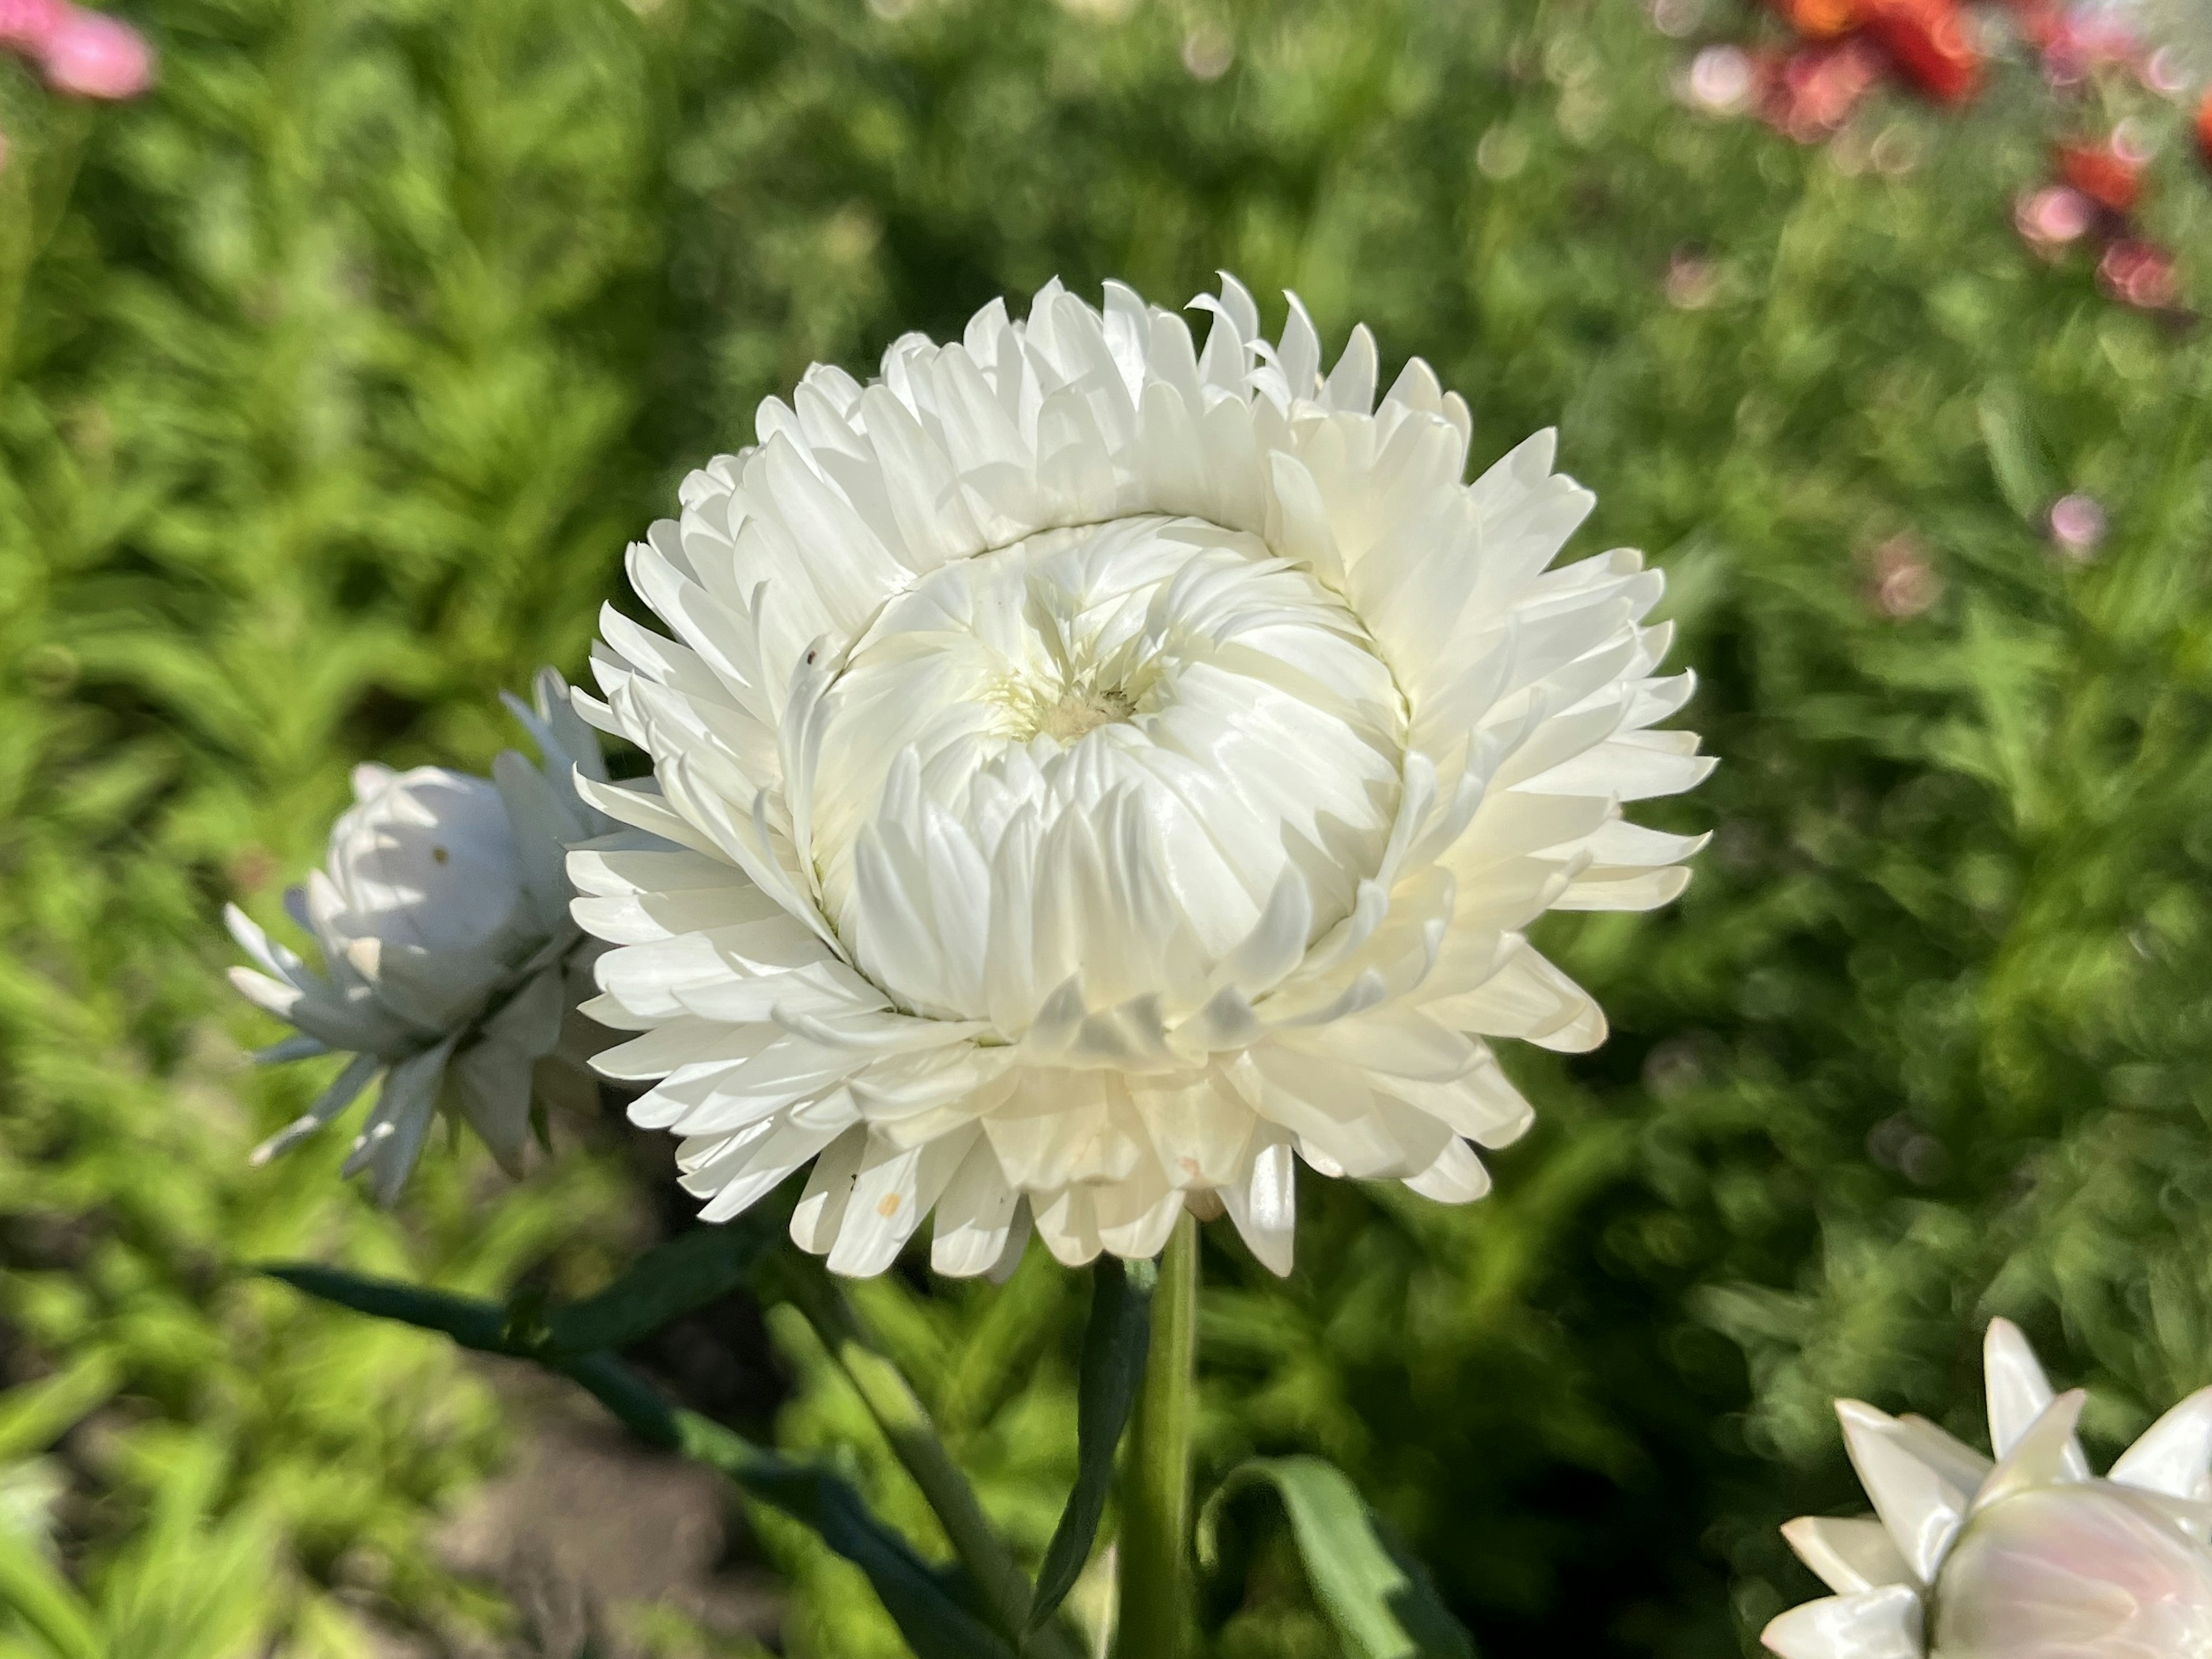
(1138, 724)
(1080, 709)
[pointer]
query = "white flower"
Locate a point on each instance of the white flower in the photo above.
(2029, 1558)
(446, 943)
(1103, 769)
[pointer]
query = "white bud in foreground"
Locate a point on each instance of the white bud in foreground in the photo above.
(2027, 1557)
(2089, 1571)
(448, 951)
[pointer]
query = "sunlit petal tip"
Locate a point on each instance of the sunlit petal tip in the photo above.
(1849, 1554)
(2174, 1456)
(2018, 1390)
(1921, 1510)
(1874, 1623)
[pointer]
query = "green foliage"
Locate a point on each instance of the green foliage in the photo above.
(338, 370)
(1382, 1603)
(930, 1608)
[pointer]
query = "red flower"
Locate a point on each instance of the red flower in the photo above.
(2041, 23)
(2100, 172)
(1931, 45)
(2204, 129)
(1815, 89)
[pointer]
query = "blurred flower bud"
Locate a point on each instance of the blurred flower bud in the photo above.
(2077, 524)
(2139, 274)
(1822, 20)
(1931, 45)
(1719, 80)
(1904, 583)
(1816, 88)
(2054, 215)
(25, 25)
(1692, 280)
(91, 55)
(2103, 173)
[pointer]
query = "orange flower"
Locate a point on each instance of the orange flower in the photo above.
(2204, 129)
(1822, 20)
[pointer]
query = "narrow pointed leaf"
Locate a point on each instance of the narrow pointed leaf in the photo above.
(1115, 1344)
(470, 1320)
(665, 1283)
(36, 1414)
(1381, 1600)
(41, 1599)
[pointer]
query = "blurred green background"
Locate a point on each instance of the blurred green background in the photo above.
(334, 373)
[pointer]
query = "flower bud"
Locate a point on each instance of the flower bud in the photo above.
(2091, 1570)
(425, 867)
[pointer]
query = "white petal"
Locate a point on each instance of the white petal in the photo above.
(2043, 1454)
(1069, 1227)
(975, 1217)
(1456, 1177)
(1264, 1205)
(1921, 1510)
(893, 1191)
(1876, 1624)
(2018, 1391)
(821, 1209)
(393, 1135)
(759, 1160)
(343, 1091)
(2175, 1455)
(1850, 1555)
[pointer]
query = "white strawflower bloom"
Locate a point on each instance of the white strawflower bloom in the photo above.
(1105, 767)
(2031, 1557)
(446, 942)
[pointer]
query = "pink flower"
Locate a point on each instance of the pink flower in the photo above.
(95, 56)
(2054, 215)
(2140, 274)
(2077, 524)
(28, 25)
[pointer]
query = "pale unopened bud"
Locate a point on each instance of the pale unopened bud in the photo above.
(2089, 1570)
(426, 858)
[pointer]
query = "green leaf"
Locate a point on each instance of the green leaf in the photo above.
(665, 1283)
(927, 1605)
(2022, 474)
(41, 1599)
(33, 1416)
(1380, 1601)
(470, 1320)
(1115, 1344)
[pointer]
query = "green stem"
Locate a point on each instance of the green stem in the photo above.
(914, 1439)
(1155, 1617)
